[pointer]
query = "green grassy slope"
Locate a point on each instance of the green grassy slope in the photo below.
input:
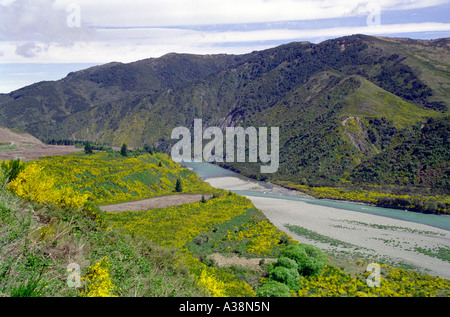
(38, 243)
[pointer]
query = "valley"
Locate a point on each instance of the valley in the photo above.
(352, 111)
(227, 241)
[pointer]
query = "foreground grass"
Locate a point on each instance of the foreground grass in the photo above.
(38, 242)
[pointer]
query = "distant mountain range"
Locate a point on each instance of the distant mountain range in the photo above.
(358, 108)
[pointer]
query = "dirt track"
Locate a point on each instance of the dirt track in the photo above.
(37, 152)
(155, 202)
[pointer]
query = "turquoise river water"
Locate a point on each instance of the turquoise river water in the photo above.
(206, 170)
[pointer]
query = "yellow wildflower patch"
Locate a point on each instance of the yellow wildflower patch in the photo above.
(35, 184)
(394, 282)
(260, 237)
(175, 226)
(109, 179)
(98, 281)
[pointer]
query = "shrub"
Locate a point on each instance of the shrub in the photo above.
(34, 184)
(310, 259)
(311, 267)
(123, 150)
(273, 289)
(284, 262)
(88, 148)
(315, 252)
(178, 186)
(98, 280)
(288, 276)
(148, 149)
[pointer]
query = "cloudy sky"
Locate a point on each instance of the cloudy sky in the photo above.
(46, 39)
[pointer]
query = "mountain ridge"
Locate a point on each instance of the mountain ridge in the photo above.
(380, 86)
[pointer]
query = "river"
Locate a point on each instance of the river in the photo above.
(209, 171)
(400, 236)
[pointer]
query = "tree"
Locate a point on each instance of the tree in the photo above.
(148, 149)
(178, 186)
(123, 150)
(88, 148)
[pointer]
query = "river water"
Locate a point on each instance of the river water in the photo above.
(209, 171)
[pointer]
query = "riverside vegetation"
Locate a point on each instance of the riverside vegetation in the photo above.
(49, 218)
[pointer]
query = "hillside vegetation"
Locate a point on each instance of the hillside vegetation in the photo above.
(56, 230)
(342, 106)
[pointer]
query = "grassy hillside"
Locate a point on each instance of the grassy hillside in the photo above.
(39, 242)
(164, 251)
(332, 124)
(108, 178)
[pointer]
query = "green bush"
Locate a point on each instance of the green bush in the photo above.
(310, 259)
(290, 277)
(178, 186)
(124, 150)
(88, 148)
(273, 289)
(312, 267)
(285, 262)
(315, 252)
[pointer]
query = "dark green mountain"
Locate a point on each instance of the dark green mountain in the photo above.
(350, 108)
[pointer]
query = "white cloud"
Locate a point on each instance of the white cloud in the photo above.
(109, 29)
(286, 34)
(127, 45)
(47, 31)
(163, 13)
(39, 24)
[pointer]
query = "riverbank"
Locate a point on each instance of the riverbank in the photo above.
(421, 201)
(337, 230)
(437, 204)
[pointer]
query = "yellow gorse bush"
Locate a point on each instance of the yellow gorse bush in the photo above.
(175, 226)
(394, 282)
(372, 197)
(261, 236)
(46, 232)
(98, 280)
(218, 282)
(36, 185)
(109, 179)
(212, 284)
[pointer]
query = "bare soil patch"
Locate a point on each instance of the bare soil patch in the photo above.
(15, 144)
(234, 260)
(155, 202)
